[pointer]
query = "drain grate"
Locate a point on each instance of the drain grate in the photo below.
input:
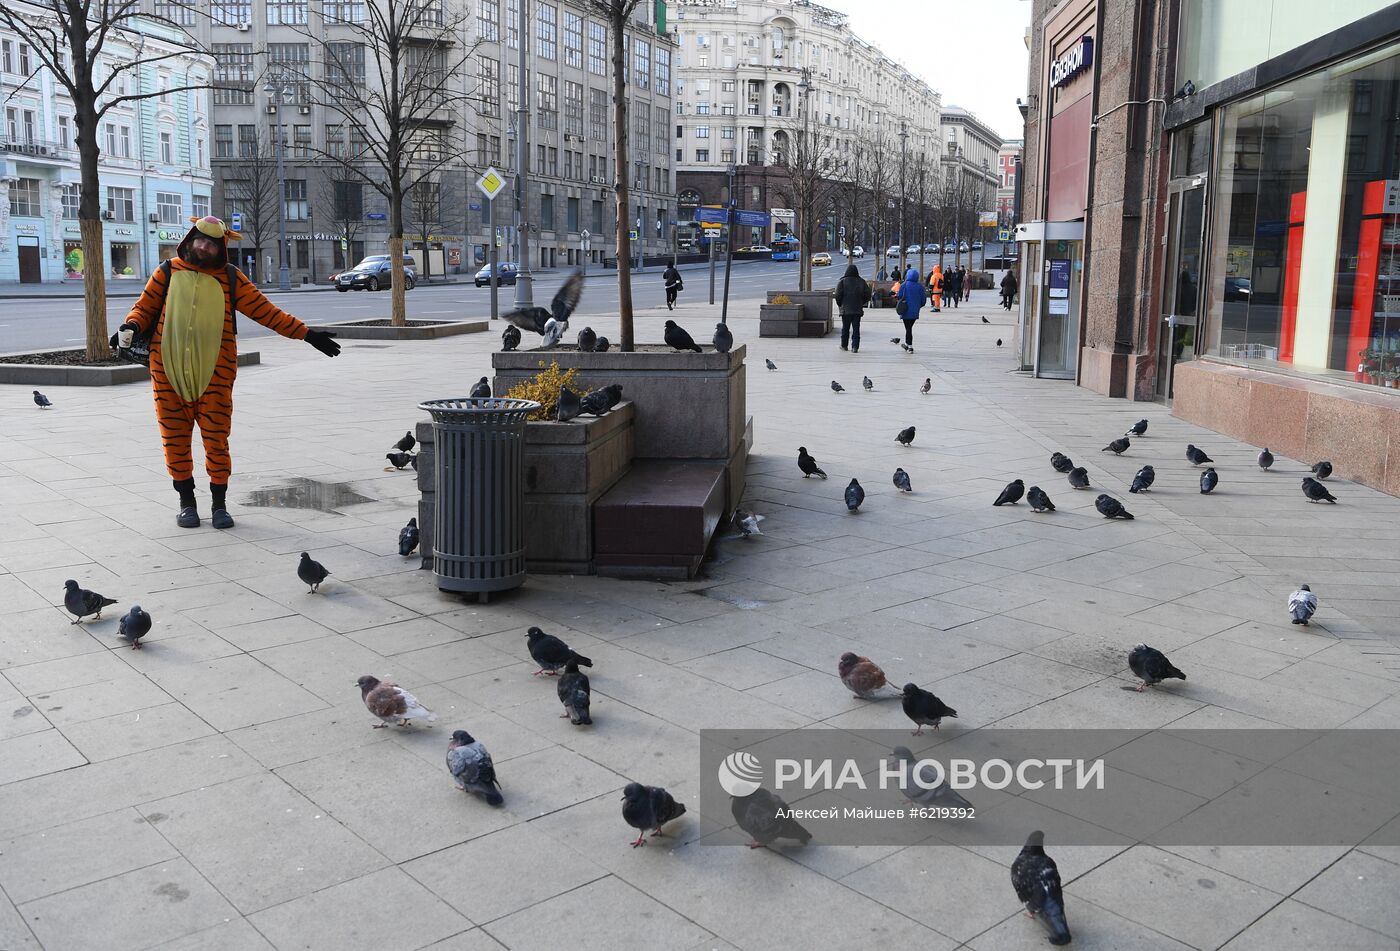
(302, 493)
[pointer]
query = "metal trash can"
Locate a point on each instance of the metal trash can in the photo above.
(478, 530)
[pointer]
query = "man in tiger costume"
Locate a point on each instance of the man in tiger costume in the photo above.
(190, 302)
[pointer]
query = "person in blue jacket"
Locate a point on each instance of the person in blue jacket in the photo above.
(910, 301)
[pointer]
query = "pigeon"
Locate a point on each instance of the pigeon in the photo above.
(985, 320)
(471, 768)
(1118, 446)
(1061, 462)
(929, 790)
(311, 572)
(600, 401)
(723, 339)
(602, 346)
(42, 401)
(648, 807)
(855, 495)
(1012, 493)
(1266, 458)
(1195, 456)
(1036, 879)
(1078, 478)
(408, 537)
(998, 341)
(1316, 491)
(864, 678)
(901, 481)
(535, 319)
(928, 385)
(837, 387)
(771, 365)
(551, 653)
(747, 522)
(1109, 507)
(510, 339)
(766, 818)
(482, 391)
(553, 332)
(407, 443)
(1322, 469)
(1142, 482)
(1151, 666)
(1039, 501)
(81, 602)
(574, 694)
(677, 338)
(906, 436)
(1301, 604)
(587, 340)
(1137, 429)
(568, 405)
(414, 463)
(136, 624)
(398, 459)
(808, 464)
(924, 708)
(1209, 480)
(865, 382)
(390, 702)
(896, 340)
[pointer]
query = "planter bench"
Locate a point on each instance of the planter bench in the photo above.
(658, 520)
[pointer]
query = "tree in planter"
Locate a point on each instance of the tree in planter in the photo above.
(253, 194)
(94, 49)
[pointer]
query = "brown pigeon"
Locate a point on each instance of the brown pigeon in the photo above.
(390, 703)
(864, 678)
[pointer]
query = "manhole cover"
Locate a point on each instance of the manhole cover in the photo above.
(307, 494)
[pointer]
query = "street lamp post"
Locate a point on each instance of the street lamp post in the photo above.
(524, 282)
(728, 247)
(903, 142)
(278, 92)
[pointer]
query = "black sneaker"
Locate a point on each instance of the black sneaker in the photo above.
(188, 517)
(220, 518)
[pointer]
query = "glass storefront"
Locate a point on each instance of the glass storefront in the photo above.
(72, 259)
(1304, 225)
(125, 260)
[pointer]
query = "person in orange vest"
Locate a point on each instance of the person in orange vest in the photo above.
(935, 287)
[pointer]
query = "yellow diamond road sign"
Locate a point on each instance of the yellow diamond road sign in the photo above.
(491, 183)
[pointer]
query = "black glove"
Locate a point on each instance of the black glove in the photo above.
(324, 342)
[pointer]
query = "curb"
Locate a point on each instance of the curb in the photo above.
(44, 374)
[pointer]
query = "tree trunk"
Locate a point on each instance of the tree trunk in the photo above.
(90, 227)
(398, 315)
(624, 244)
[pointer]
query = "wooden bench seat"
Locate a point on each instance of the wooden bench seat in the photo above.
(658, 520)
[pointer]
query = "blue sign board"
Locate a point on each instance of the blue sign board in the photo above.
(236, 221)
(753, 219)
(375, 216)
(1072, 62)
(475, 206)
(713, 216)
(1059, 277)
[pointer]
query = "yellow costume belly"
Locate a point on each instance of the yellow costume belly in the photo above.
(195, 310)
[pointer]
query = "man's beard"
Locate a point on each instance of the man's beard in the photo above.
(199, 258)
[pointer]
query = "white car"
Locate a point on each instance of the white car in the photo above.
(912, 249)
(858, 251)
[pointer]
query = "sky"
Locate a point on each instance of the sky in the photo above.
(973, 53)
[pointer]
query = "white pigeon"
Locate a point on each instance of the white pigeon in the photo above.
(747, 522)
(554, 332)
(1301, 604)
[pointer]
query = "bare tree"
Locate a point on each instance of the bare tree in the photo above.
(812, 167)
(923, 186)
(250, 189)
(617, 13)
(345, 198)
(850, 197)
(424, 215)
(884, 173)
(92, 48)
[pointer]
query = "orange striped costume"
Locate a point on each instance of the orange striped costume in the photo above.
(212, 408)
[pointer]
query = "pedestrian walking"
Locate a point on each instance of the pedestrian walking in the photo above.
(1008, 289)
(955, 279)
(674, 285)
(852, 294)
(935, 288)
(911, 301)
(965, 283)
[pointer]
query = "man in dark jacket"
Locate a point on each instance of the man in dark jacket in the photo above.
(672, 279)
(1008, 289)
(955, 283)
(852, 294)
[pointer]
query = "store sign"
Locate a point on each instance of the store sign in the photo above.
(1072, 62)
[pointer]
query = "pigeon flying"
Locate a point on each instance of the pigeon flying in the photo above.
(864, 678)
(553, 332)
(1118, 446)
(906, 436)
(1266, 458)
(924, 708)
(1142, 482)
(1109, 507)
(928, 385)
(407, 443)
(1039, 501)
(865, 382)
(398, 459)
(837, 387)
(471, 768)
(808, 464)
(1078, 478)
(482, 391)
(534, 319)
(677, 338)
(42, 401)
(723, 339)
(1138, 429)
(1012, 493)
(311, 572)
(568, 404)
(766, 818)
(408, 537)
(1061, 462)
(574, 694)
(390, 703)
(1322, 469)
(648, 807)
(901, 481)
(510, 339)
(551, 653)
(136, 624)
(81, 602)
(1151, 666)
(925, 786)
(587, 340)
(1301, 604)
(1036, 879)
(771, 365)
(1316, 491)
(855, 495)
(1196, 457)
(1209, 480)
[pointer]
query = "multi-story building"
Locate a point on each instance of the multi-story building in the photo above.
(970, 178)
(751, 74)
(1008, 176)
(154, 171)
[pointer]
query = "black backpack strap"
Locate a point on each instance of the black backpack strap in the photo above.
(233, 273)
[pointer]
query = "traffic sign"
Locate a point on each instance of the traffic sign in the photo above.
(491, 183)
(375, 216)
(586, 238)
(344, 244)
(1004, 235)
(475, 206)
(632, 235)
(235, 221)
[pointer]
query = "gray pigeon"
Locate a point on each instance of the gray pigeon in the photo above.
(901, 481)
(574, 694)
(677, 338)
(928, 385)
(311, 572)
(855, 495)
(1078, 478)
(510, 339)
(723, 339)
(602, 346)
(1137, 429)
(587, 340)
(407, 443)
(648, 807)
(923, 785)
(1061, 462)
(471, 768)
(568, 405)
(865, 382)
(1196, 457)
(482, 391)
(1316, 491)
(1266, 458)
(1012, 493)
(1302, 604)
(551, 653)
(535, 319)
(1151, 666)
(42, 401)
(81, 602)
(837, 387)
(906, 436)
(1142, 482)
(770, 363)
(398, 459)
(409, 537)
(1321, 469)
(553, 332)
(600, 401)
(391, 702)
(1118, 446)
(1036, 879)
(766, 818)
(924, 708)
(1039, 501)
(1209, 480)
(808, 463)
(1109, 507)
(136, 624)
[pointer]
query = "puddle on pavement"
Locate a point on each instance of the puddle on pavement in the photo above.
(307, 494)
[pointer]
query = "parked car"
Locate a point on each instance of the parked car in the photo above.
(820, 259)
(507, 276)
(375, 272)
(962, 246)
(932, 248)
(753, 249)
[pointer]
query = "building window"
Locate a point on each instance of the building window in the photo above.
(702, 108)
(170, 206)
(233, 74)
(124, 141)
(598, 115)
(547, 212)
(726, 156)
(7, 56)
(573, 108)
(488, 82)
(290, 63)
(702, 132)
(661, 125)
(174, 11)
(547, 31)
(70, 195)
(641, 51)
(344, 11)
(167, 148)
(571, 213)
(598, 49)
(513, 24)
(303, 252)
(200, 159)
(121, 203)
(65, 132)
(345, 70)
(297, 206)
(597, 217)
(199, 206)
(288, 12)
(231, 13)
(301, 141)
(24, 197)
(702, 155)
(488, 21)
(727, 132)
(247, 141)
(573, 40)
(547, 100)
(663, 71)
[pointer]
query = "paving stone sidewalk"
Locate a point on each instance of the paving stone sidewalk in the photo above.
(223, 789)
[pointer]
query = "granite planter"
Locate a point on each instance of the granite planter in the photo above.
(779, 320)
(414, 330)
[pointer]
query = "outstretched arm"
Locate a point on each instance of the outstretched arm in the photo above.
(251, 301)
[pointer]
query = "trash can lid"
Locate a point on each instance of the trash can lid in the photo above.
(477, 408)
